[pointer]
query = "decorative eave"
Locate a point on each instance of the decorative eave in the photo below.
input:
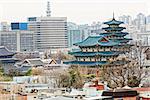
(87, 63)
(5, 52)
(124, 40)
(124, 45)
(114, 33)
(114, 29)
(96, 41)
(96, 63)
(9, 60)
(119, 62)
(113, 22)
(89, 54)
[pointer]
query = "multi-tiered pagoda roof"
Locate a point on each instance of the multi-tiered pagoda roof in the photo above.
(103, 49)
(96, 40)
(113, 22)
(115, 34)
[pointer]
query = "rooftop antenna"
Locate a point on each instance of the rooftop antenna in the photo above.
(113, 15)
(48, 12)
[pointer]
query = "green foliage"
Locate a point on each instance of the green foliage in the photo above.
(4, 77)
(133, 82)
(61, 56)
(29, 73)
(1, 71)
(64, 80)
(89, 76)
(71, 78)
(76, 80)
(14, 72)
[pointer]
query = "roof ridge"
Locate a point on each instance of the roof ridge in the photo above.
(2, 46)
(95, 36)
(88, 38)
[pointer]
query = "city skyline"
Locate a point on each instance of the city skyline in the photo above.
(79, 11)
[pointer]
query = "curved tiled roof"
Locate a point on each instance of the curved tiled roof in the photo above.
(95, 63)
(124, 40)
(123, 45)
(87, 63)
(120, 93)
(34, 62)
(114, 33)
(102, 53)
(95, 40)
(5, 52)
(112, 28)
(113, 22)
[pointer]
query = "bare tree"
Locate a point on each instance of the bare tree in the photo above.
(37, 71)
(62, 56)
(21, 56)
(131, 73)
(147, 83)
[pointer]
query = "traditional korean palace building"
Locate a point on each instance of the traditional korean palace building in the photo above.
(103, 49)
(7, 60)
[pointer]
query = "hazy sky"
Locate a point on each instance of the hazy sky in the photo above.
(79, 11)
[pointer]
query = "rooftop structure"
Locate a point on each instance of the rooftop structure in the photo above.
(5, 26)
(122, 93)
(28, 64)
(48, 11)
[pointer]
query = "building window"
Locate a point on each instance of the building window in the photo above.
(104, 49)
(93, 49)
(86, 49)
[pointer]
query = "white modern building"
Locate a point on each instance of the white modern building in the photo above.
(126, 19)
(75, 36)
(17, 40)
(5, 26)
(50, 33)
(144, 38)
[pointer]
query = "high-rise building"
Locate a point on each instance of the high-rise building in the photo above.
(141, 19)
(17, 40)
(72, 26)
(19, 26)
(95, 28)
(4, 26)
(140, 22)
(148, 19)
(144, 38)
(85, 29)
(126, 19)
(49, 32)
(75, 36)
